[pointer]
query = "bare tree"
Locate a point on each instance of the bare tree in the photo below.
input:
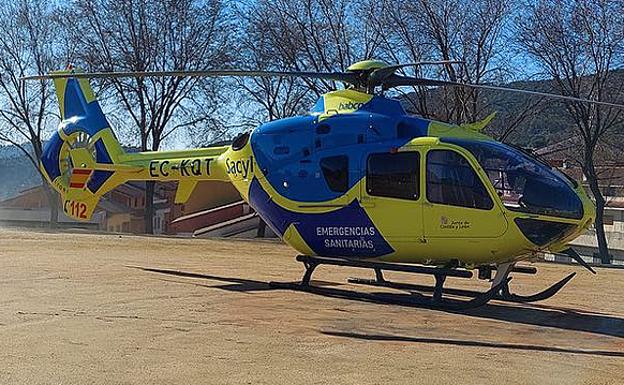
(312, 35)
(513, 114)
(400, 27)
(579, 44)
(469, 31)
(29, 44)
(157, 35)
(274, 98)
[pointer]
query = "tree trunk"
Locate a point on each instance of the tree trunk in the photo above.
(261, 229)
(601, 237)
(592, 180)
(53, 202)
(149, 208)
(54, 210)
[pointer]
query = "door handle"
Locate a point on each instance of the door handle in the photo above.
(366, 201)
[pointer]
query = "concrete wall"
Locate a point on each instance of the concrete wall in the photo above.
(40, 217)
(587, 246)
(205, 218)
(210, 194)
(118, 223)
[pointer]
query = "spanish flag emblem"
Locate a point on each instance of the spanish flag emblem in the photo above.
(79, 177)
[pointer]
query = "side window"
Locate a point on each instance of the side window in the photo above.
(336, 172)
(394, 175)
(452, 181)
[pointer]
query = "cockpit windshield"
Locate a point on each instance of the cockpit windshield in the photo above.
(523, 183)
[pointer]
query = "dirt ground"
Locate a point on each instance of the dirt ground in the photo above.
(85, 309)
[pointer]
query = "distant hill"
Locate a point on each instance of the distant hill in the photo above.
(17, 173)
(11, 152)
(546, 124)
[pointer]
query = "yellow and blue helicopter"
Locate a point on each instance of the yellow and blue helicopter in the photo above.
(355, 182)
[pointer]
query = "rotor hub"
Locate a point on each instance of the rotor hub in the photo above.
(367, 65)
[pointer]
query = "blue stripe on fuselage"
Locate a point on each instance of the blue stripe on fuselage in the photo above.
(345, 232)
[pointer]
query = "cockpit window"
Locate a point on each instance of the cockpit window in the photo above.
(452, 181)
(523, 183)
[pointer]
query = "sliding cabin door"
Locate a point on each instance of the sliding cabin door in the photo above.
(457, 205)
(392, 197)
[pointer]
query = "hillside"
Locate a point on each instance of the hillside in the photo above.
(17, 172)
(546, 123)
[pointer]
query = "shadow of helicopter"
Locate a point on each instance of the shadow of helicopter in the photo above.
(527, 314)
(536, 315)
(469, 343)
(232, 284)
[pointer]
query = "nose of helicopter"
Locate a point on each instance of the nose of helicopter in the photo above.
(581, 225)
(554, 230)
(589, 211)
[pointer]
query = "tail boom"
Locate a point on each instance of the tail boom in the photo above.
(83, 160)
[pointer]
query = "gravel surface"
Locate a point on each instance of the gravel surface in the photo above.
(81, 308)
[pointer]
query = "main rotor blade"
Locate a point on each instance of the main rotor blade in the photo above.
(378, 76)
(397, 81)
(335, 76)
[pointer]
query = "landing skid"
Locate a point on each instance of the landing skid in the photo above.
(435, 301)
(503, 294)
(506, 295)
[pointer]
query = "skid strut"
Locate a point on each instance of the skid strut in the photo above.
(500, 281)
(436, 300)
(505, 293)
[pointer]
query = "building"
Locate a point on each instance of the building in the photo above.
(31, 209)
(124, 208)
(214, 209)
(120, 210)
(610, 169)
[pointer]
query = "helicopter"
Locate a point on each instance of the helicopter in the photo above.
(355, 182)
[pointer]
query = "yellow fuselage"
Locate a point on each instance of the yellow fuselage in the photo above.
(356, 178)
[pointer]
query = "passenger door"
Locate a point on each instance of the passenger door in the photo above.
(391, 194)
(457, 203)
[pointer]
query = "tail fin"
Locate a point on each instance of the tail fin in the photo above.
(84, 139)
(83, 160)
